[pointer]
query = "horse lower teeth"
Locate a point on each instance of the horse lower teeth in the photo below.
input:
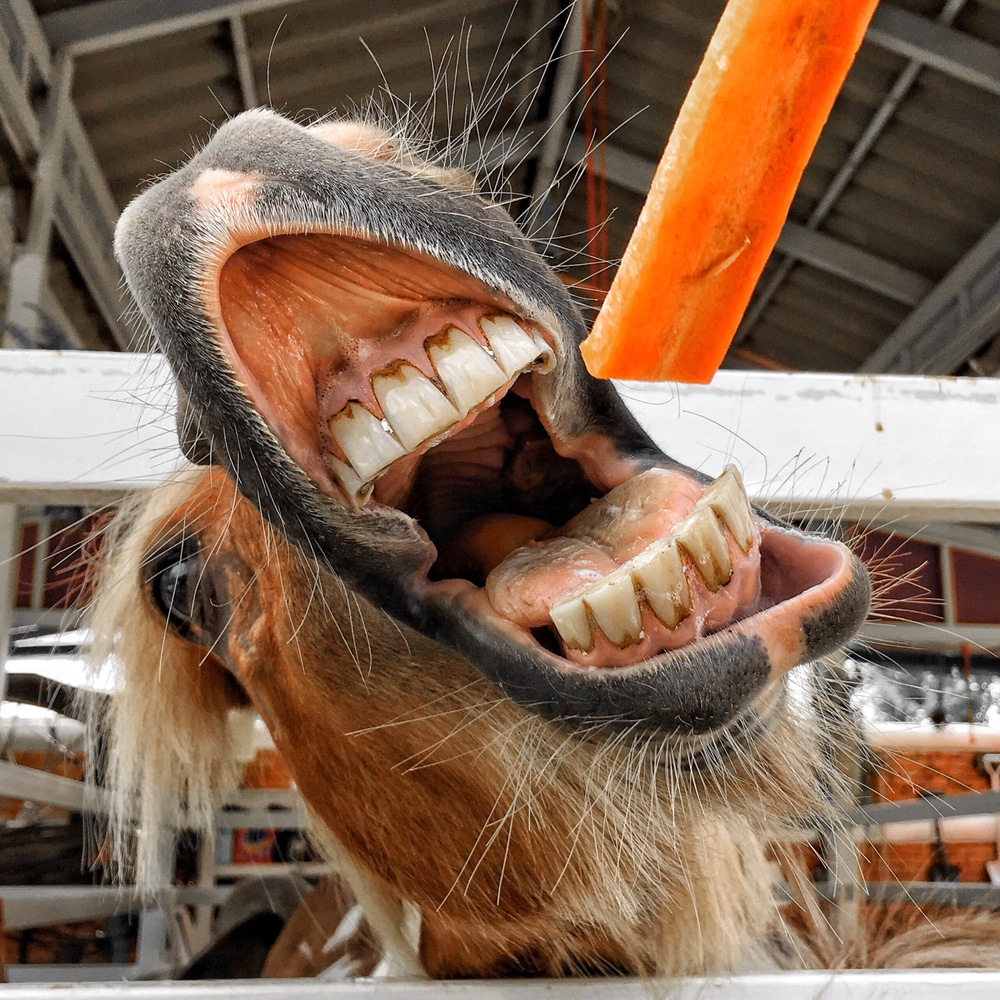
(704, 541)
(657, 576)
(615, 609)
(659, 572)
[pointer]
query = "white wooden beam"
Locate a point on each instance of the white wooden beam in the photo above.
(83, 427)
(856, 446)
(958, 317)
(885, 984)
(861, 446)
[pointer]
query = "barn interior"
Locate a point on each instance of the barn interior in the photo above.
(872, 340)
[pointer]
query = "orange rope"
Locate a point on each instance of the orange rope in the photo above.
(595, 127)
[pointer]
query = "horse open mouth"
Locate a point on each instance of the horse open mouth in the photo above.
(407, 403)
(391, 385)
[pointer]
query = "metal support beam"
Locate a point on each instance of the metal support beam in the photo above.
(55, 117)
(929, 807)
(152, 946)
(840, 745)
(975, 538)
(955, 320)
(845, 174)
(9, 545)
(569, 57)
(930, 635)
(84, 211)
(528, 74)
(107, 24)
(39, 906)
(942, 48)
(827, 253)
(26, 59)
(244, 68)
(18, 782)
(982, 895)
(27, 284)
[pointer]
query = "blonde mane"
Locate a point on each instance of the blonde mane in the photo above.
(170, 748)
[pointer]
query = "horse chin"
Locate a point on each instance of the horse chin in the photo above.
(405, 400)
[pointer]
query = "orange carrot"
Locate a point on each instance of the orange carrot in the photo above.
(723, 187)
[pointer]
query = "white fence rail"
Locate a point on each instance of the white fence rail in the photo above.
(888, 985)
(81, 426)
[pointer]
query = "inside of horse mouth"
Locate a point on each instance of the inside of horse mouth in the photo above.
(394, 380)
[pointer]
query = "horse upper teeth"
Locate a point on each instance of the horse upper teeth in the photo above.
(657, 576)
(513, 349)
(369, 447)
(468, 373)
(415, 408)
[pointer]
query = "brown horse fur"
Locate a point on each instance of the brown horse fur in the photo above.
(480, 838)
(525, 846)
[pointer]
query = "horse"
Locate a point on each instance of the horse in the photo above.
(532, 677)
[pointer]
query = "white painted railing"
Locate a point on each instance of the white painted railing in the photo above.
(919, 984)
(87, 424)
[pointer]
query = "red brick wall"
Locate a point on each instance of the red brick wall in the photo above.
(904, 776)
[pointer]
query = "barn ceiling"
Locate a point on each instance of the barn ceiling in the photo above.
(889, 262)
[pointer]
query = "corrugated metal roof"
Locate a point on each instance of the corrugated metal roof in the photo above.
(924, 192)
